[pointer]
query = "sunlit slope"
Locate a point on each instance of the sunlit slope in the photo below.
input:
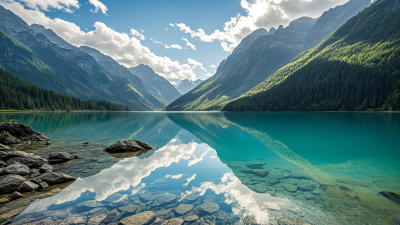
(355, 68)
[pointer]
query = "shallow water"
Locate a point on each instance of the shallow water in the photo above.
(260, 168)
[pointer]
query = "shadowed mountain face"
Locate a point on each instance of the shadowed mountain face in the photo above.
(354, 69)
(255, 60)
(186, 85)
(68, 70)
(157, 85)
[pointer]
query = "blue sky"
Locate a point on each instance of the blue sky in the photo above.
(128, 30)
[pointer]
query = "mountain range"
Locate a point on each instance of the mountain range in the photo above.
(261, 54)
(187, 85)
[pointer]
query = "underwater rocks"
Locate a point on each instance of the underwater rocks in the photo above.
(183, 209)
(14, 135)
(173, 221)
(128, 146)
(139, 219)
(191, 218)
(129, 208)
(336, 193)
(59, 157)
(394, 196)
(257, 172)
(287, 220)
(163, 199)
(290, 187)
(208, 208)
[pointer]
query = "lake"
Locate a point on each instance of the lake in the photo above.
(224, 167)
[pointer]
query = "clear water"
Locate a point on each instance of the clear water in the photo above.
(323, 168)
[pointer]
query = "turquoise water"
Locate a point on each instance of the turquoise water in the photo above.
(260, 168)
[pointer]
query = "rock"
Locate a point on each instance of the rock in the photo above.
(139, 219)
(3, 164)
(250, 220)
(287, 220)
(14, 134)
(306, 186)
(183, 208)
(394, 196)
(17, 168)
(46, 168)
(128, 208)
(128, 146)
(36, 181)
(55, 161)
(336, 193)
(90, 204)
(94, 159)
(163, 199)
(190, 218)
(4, 147)
(2, 172)
(15, 195)
(56, 178)
(146, 197)
(257, 172)
(173, 221)
(32, 161)
(141, 207)
(85, 143)
(256, 166)
(47, 221)
(33, 171)
(290, 187)
(10, 182)
(43, 185)
(260, 188)
(74, 220)
(273, 178)
(27, 186)
(164, 214)
(60, 155)
(12, 154)
(208, 208)
(299, 176)
(191, 197)
(96, 220)
(110, 216)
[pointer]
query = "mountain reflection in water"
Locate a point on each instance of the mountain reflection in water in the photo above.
(318, 168)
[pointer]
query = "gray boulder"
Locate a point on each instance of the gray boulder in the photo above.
(30, 161)
(12, 154)
(139, 219)
(163, 199)
(173, 221)
(146, 197)
(208, 208)
(183, 209)
(60, 155)
(14, 134)
(27, 186)
(43, 185)
(56, 178)
(129, 208)
(4, 147)
(3, 164)
(17, 168)
(15, 195)
(10, 182)
(128, 146)
(191, 218)
(46, 168)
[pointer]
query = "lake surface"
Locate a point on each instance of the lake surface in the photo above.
(259, 168)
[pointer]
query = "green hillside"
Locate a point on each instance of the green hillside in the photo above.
(18, 94)
(357, 68)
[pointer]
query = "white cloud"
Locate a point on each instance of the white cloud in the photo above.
(127, 51)
(166, 28)
(175, 46)
(137, 34)
(196, 64)
(98, 5)
(46, 5)
(208, 74)
(261, 14)
(167, 47)
(176, 176)
(157, 42)
(172, 25)
(212, 66)
(189, 44)
(189, 179)
(196, 160)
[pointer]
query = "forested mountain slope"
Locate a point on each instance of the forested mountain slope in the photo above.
(18, 94)
(355, 68)
(270, 51)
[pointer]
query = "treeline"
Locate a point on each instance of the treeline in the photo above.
(18, 94)
(357, 68)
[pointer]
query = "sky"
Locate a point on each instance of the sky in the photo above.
(178, 39)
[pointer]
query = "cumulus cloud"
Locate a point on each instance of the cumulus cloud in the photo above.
(212, 66)
(189, 44)
(127, 51)
(46, 5)
(208, 74)
(260, 14)
(175, 46)
(167, 47)
(137, 34)
(98, 5)
(196, 64)
(176, 176)
(172, 25)
(157, 42)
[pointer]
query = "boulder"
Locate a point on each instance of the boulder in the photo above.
(183, 209)
(29, 161)
(74, 220)
(89, 204)
(10, 182)
(27, 186)
(139, 219)
(43, 185)
(306, 186)
(14, 134)
(17, 168)
(128, 146)
(15, 195)
(12, 154)
(36, 181)
(163, 199)
(190, 218)
(257, 172)
(46, 168)
(140, 207)
(3, 164)
(4, 147)
(394, 196)
(146, 197)
(290, 187)
(56, 178)
(60, 156)
(191, 197)
(129, 208)
(208, 208)
(173, 221)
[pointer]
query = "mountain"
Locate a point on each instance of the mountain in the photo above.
(187, 85)
(355, 68)
(157, 85)
(76, 73)
(18, 94)
(255, 60)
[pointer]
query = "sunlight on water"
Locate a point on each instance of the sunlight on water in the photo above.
(254, 168)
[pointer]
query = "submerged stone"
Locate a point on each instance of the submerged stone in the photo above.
(173, 221)
(139, 219)
(163, 199)
(257, 172)
(288, 220)
(333, 192)
(128, 208)
(146, 197)
(394, 196)
(183, 209)
(290, 187)
(208, 208)
(190, 218)
(256, 166)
